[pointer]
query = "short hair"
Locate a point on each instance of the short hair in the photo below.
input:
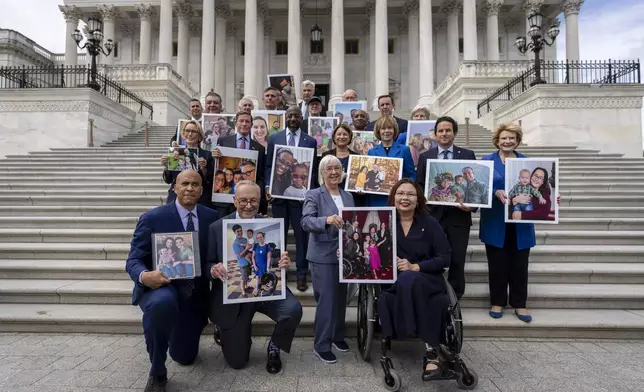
(274, 89)
(507, 127)
(385, 96)
(236, 227)
(193, 122)
(420, 108)
(245, 163)
(308, 83)
(467, 167)
(213, 94)
(449, 120)
(344, 127)
(243, 113)
(458, 175)
(284, 150)
(249, 183)
(262, 233)
(385, 122)
(421, 201)
(241, 101)
(350, 90)
(251, 230)
(195, 100)
(236, 172)
(525, 171)
(360, 110)
(326, 161)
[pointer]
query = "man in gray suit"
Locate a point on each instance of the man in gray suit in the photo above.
(234, 321)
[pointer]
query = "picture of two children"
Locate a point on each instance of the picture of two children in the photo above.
(176, 255)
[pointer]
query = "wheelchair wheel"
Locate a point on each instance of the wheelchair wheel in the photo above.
(455, 324)
(366, 320)
(392, 381)
(468, 380)
(347, 269)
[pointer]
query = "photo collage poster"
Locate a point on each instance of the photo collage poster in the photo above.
(452, 182)
(532, 186)
(233, 166)
(176, 255)
(291, 172)
(376, 175)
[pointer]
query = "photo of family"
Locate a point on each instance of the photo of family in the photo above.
(344, 111)
(275, 121)
(216, 126)
(420, 138)
(363, 141)
(532, 186)
(286, 85)
(321, 128)
(291, 172)
(373, 174)
(183, 158)
(251, 254)
(180, 140)
(455, 181)
(233, 166)
(176, 255)
(367, 245)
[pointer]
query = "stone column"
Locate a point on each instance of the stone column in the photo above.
(184, 12)
(223, 12)
(571, 13)
(337, 50)
(250, 53)
(295, 43)
(453, 10)
(165, 32)
(108, 14)
(371, 9)
(381, 59)
(262, 12)
(71, 15)
(492, 8)
(426, 53)
(145, 40)
(411, 10)
(207, 45)
(470, 47)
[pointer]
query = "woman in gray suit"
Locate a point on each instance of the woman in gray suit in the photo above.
(321, 219)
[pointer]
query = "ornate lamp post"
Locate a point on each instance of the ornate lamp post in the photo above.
(93, 46)
(537, 42)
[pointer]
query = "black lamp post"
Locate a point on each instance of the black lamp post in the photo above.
(93, 46)
(316, 31)
(537, 42)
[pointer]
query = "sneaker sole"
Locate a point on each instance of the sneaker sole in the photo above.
(342, 351)
(322, 359)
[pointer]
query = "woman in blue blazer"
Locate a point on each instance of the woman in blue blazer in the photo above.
(386, 130)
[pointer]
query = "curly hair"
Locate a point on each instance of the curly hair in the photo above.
(438, 180)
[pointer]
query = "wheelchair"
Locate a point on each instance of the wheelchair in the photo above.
(451, 364)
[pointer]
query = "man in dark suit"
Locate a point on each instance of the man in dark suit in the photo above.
(291, 210)
(174, 312)
(235, 320)
(386, 107)
(213, 105)
(456, 221)
(314, 109)
(242, 140)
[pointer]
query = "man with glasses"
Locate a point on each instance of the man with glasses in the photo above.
(235, 320)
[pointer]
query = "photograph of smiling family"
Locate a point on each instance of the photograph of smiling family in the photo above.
(231, 167)
(291, 172)
(176, 255)
(420, 138)
(216, 126)
(321, 128)
(285, 83)
(455, 181)
(532, 186)
(372, 175)
(251, 254)
(363, 141)
(344, 111)
(183, 158)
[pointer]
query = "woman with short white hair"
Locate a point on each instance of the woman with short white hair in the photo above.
(245, 105)
(322, 220)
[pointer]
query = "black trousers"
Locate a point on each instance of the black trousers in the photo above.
(458, 237)
(508, 266)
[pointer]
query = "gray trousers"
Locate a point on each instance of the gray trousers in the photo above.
(331, 298)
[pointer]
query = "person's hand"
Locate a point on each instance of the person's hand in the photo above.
(154, 279)
(174, 144)
(558, 199)
(268, 194)
(361, 193)
(202, 163)
(164, 160)
(521, 199)
(216, 152)
(463, 207)
(500, 194)
(405, 265)
(219, 271)
(335, 220)
(516, 215)
(542, 200)
(285, 261)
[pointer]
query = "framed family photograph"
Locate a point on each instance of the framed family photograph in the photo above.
(275, 121)
(375, 175)
(450, 182)
(182, 158)
(231, 167)
(321, 128)
(251, 253)
(420, 138)
(344, 111)
(368, 245)
(285, 83)
(216, 126)
(291, 172)
(180, 140)
(176, 255)
(532, 186)
(363, 141)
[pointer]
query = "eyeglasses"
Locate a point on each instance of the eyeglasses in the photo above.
(408, 195)
(538, 177)
(284, 163)
(331, 169)
(248, 173)
(245, 202)
(299, 176)
(188, 131)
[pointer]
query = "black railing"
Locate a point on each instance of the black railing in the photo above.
(71, 77)
(564, 72)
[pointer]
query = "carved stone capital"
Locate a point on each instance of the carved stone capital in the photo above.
(571, 7)
(370, 7)
(70, 13)
(223, 11)
(183, 9)
(195, 29)
(492, 7)
(532, 6)
(108, 11)
(145, 11)
(451, 6)
(262, 8)
(410, 7)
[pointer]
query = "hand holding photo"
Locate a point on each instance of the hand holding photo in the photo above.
(291, 172)
(176, 255)
(183, 158)
(454, 182)
(321, 128)
(372, 174)
(532, 186)
(285, 83)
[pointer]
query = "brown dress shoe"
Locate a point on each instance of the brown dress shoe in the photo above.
(301, 285)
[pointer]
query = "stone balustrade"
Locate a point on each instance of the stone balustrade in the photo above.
(483, 69)
(143, 72)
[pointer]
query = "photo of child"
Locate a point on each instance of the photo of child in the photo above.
(176, 255)
(532, 185)
(182, 158)
(291, 173)
(372, 175)
(454, 182)
(321, 128)
(420, 137)
(363, 141)
(231, 167)
(216, 126)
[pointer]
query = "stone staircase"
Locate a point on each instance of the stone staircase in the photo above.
(67, 216)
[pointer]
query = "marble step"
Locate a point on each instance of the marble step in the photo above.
(97, 185)
(74, 211)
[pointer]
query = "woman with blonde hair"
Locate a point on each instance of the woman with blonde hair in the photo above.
(420, 113)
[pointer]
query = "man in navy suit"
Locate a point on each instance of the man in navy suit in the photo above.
(291, 210)
(174, 312)
(386, 107)
(456, 221)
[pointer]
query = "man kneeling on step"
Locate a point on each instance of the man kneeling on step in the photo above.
(234, 321)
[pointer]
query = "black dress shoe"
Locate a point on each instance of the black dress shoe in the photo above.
(217, 336)
(301, 285)
(156, 384)
(274, 362)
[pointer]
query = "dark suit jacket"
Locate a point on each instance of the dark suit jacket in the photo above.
(231, 141)
(164, 219)
(445, 214)
(170, 177)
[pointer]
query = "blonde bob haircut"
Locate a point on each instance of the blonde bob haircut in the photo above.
(420, 109)
(324, 163)
(512, 128)
(195, 123)
(385, 122)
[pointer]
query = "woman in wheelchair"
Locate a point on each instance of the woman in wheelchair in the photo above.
(417, 303)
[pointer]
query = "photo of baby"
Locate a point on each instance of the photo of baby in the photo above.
(372, 175)
(321, 128)
(275, 120)
(233, 166)
(216, 126)
(286, 85)
(176, 255)
(182, 158)
(420, 138)
(363, 141)
(291, 173)
(454, 182)
(532, 186)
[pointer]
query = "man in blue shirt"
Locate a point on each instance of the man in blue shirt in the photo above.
(242, 250)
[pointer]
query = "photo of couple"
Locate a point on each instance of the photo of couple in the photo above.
(176, 255)
(216, 126)
(291, 173)
(373, 175)
(454, 182)
(252, 253)
(531, 185)
(367, 244)
(183, 158)
(321, 128)
(233, 166)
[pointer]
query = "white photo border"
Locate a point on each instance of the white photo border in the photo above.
(346, 183)
(553, 196)
(490, 193)
(308, 187)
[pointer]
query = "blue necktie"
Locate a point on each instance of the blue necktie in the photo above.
(187, 286)
(445, 154)
(190, 226)
(291, 139)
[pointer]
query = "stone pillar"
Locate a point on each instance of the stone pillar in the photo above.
(145, 40)
(470, 47)
(108, 14)
(165, 32)
(337, 50)
(426, 53)
(295, 43)
(571, 13)
(381, 59)
(71, 15)
(223, 12)
(250, 53)
(262, 12)
(368, 56)
(184, 12)
(371, 10)
(411, 10)
(492, 7)
(453, 10)
(207, 45)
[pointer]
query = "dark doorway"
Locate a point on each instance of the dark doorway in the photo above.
(322, 91)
